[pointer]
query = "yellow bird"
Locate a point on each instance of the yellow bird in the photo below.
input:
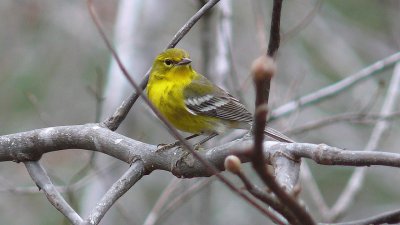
(191, 102)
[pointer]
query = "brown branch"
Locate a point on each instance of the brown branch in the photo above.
(263, 70)
(233, 165)
(274, 34)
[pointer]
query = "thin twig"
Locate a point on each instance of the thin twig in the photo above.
(43, 116)
(260, 26)
(262, 79)
(267, 199)
(153, 215)
(303, 23)
(206, 41)
(120, 187)
(312, 187)
(225, 67)
(224, 38)
(180, 199)
(355, 117)
(355, 182)
(99, 94)
(336, 88)
(392, 217)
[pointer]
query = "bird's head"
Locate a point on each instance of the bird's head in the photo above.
(172, 62)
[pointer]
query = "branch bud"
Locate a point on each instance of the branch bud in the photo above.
(263, 68)
(296, 191)
(232, 164)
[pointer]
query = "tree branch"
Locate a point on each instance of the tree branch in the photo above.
(130, 177)
(274, 34)
(355, 182)
(28, 145)
(336, 88)
(392, 217)
(42, 180)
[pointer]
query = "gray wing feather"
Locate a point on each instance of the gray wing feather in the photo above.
(215, 102)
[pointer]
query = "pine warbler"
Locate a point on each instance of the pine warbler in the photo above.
(191, 102)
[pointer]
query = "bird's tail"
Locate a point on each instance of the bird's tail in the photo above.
(274, 134)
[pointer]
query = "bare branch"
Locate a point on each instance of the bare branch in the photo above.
(356, 117)
(233, 164)
(161, 201)
(259, 22)
(326, 155)
(286, 171)
(263, 71)
(274, 34)
(28, 145)
(206, 41)
(312, 187)
(179, 200)
(336, 88)
(42, 180)
(32, 144)
(130, 177)
(392, 217)
(223, 63)
(354, 184)
(303, 23)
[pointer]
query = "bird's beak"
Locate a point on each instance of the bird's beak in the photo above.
(184, 61)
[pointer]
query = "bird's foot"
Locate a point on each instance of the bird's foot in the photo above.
(163, 147)
(197, 147)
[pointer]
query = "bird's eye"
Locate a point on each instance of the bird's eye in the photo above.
(168, 62)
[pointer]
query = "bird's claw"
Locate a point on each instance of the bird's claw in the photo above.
(163, 147)
(197, 147)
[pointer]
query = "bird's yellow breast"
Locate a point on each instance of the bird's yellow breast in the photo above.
(167, 96)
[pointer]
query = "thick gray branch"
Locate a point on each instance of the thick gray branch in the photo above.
(30, 145)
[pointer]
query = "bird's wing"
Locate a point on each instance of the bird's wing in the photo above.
(204, 98)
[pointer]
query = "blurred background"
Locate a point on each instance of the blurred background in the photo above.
(54, 67)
